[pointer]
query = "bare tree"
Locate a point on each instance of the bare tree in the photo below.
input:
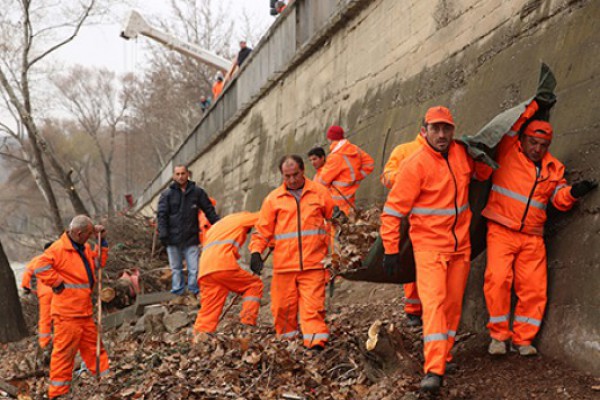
(32, 31)
(12, 323)
(99, 103)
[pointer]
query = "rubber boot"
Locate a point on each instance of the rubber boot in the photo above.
(497, 348)
(431, 382)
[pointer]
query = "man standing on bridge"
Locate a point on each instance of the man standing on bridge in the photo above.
(432, 186)
(528, 179)
(293, 215)
(178, 229)
(68, 267)
(345, 167)
(412, 302)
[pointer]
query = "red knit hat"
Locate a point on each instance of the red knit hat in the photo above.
(335, 132)
(539, 129)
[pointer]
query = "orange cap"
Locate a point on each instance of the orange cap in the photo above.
(439, 114)
(539, 129)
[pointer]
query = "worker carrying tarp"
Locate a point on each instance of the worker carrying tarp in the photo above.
(528, 179)
(293, 215)
(31, 284)
(412, 302)
(345, 167)
(68, 267)
(220, 273)
(432, 186)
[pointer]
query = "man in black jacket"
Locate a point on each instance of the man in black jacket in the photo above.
(178, 229)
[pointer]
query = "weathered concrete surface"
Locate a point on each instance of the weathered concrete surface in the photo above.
(378, 72)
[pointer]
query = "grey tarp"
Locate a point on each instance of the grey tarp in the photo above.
(481, 146)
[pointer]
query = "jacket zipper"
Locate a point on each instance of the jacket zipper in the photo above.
(299, 233)
(455, 204)
(537, 175)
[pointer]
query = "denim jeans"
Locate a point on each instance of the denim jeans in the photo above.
(176, 255)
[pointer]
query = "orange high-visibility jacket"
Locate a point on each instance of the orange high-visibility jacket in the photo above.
(399, 154)
(520, 193)
(344, 168)
(61, 262)
(435, 192)
(318, 174)
(217, 88)
(31, 282)
(298, 228)
(223, 242)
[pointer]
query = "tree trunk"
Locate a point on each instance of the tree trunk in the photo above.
(12, 323)
(109, 193)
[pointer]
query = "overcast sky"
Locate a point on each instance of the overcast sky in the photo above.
(101, 46)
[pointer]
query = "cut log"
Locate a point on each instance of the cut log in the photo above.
(386, 352)
(11, 390)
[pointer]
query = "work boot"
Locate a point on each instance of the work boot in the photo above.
(431, 382)
(497, 348)
(527, 350)
(413, 320)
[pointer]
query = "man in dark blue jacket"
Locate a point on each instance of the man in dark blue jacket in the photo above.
(178, 229)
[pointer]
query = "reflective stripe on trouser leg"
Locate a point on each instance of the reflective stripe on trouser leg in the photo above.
(311, 288)
(67, 334)
(87, 347)
(431, 281)
(284, 304)
(45, 320)
(213, 296)
(412, 303)
(502, 246)
(456, 281)
(530, 287)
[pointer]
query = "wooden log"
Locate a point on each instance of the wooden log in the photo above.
(11, 390)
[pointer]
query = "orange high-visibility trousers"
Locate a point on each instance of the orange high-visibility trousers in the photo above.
(519, 257)
(214, 289)
(304, 293)
(72, 334)
(412, 303)
(441, 279)
(45, 320)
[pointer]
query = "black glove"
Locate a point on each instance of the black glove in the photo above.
(391, 263)
(256, 263)
(26, 290)
(582, 188)
(59, 288)
(545, 100)
(338, 214)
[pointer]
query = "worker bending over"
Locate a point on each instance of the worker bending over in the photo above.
(68, 267)
(344, 168)
(529, 178)
(220, 273)
(412, 302)
(293, 215)
(432, 186)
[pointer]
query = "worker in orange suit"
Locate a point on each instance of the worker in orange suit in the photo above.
(31, 284)
(345, 167)
(317, 158)
(412, 302)
(203, 223)
(432, 186)
(529, 178)
(220, 273)
(68, 267)
(293, 215)
(217, 87)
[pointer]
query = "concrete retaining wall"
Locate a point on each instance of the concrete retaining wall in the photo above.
(375, 67)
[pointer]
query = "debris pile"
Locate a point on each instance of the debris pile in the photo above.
(354, 238)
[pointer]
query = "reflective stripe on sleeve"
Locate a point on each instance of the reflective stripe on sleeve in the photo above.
(252, 298)
(556, 191)
(352, 174)
(77, 286)
(42, 269)
(218, 242)
(342, 184)
(392, 212)
(438, 211)
(342, 197)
